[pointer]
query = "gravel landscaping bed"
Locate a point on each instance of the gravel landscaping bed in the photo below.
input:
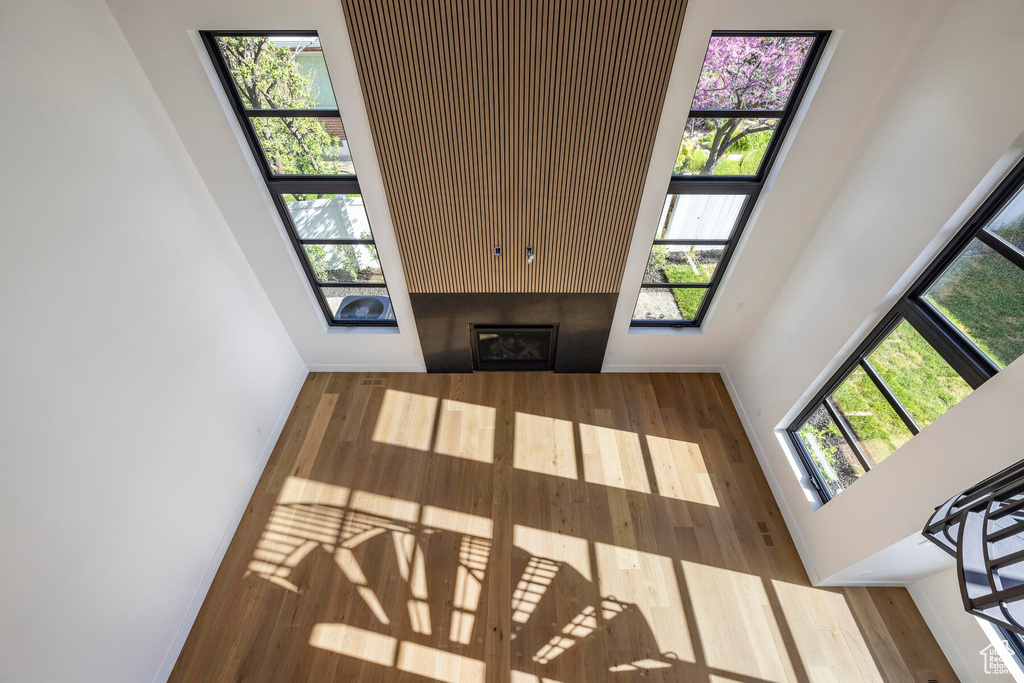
(657, 305)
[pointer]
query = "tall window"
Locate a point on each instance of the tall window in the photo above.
(957, 326)
(749, 87)
(281, 92)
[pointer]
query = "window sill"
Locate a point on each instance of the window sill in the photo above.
(362, 329)
(633, 329)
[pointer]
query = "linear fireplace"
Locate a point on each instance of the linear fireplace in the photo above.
(513, 347)
(445, 323)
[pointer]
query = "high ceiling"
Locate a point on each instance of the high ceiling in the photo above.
(514, 124)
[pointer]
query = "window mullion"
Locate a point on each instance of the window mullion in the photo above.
(280, 185)
(291, 113)
(352, 283)
(737, 113)
(950, 345)
(846, 431)
(907, 418)
(699, 243)
(341, 242)
(1004, 249)
(675, 285)
(712, 185)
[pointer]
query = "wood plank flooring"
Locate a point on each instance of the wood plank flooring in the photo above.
(531, 527)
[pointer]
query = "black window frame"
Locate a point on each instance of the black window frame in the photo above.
(1015, 644)
(953, 345)
(281, 185)
(748, 186)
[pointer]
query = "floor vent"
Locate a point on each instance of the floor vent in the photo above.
(373, 382)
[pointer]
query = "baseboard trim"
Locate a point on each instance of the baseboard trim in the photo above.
(938, 628)
(861, 584)
(718, 369)
(367, 368)
(773, 484)
(171, 658)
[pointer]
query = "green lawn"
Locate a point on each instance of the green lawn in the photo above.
(689, 298)
(874, 422)
(693, 155)
(917, 375)
(982, 293)
(747, 164)
(919, 378)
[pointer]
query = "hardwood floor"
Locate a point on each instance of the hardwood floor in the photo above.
(531, 527)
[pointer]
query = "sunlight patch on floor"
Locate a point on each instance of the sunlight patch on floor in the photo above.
(531, 587)
(680, 472)
(551, 545)
(465, 430)
(640, 665)
(737, 627)
(629, 577)
(545, 445)
(292, 533)
(439, 665)
(301, 490)
(826, 633)
(473, 556)
(459, 522)
(579, 627)
(612, 457)
(350, 641)
(406, 419)
(385, 506)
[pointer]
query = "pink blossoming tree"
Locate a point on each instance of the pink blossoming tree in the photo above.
(740, 73)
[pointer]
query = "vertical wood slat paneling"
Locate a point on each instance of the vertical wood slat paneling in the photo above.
(514, 124)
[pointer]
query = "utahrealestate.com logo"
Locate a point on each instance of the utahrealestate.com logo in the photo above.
(994, 663)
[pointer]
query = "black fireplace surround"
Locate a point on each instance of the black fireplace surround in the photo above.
(448, 327)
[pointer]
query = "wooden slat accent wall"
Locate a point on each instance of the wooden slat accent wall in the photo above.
(514, 124)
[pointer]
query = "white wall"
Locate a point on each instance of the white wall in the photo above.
(950, 129)
(165, 40)
(139, 359)
(901, 192)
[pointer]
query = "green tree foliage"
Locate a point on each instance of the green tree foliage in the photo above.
(334, 262)
(268, 77)
(742, 73)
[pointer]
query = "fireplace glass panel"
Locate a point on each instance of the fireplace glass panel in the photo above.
(513, 348)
